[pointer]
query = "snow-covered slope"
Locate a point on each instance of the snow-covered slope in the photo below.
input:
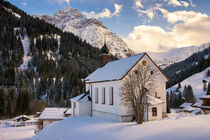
(93, 128)
(196, 81)
(91, 30)
(26, 58)
(165, 59)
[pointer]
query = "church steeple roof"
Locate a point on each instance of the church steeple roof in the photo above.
(105, 49)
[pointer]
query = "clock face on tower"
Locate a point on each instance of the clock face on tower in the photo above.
(144, 63)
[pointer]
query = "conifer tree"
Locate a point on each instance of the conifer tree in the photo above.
(179, 85)
(189, 96)
(2, 102)
(208, 73)
(208, 89)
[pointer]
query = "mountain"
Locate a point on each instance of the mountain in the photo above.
(165, 59)
(179, 71)
(40, 65)
(196, 81)
(91, 30)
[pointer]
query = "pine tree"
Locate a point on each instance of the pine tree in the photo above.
(180, 100)
(2, 102)
(179, 86)
(204, 85)
(189, 96)
(8, 107)
(208, 89)
(208, 73)
(168, 102)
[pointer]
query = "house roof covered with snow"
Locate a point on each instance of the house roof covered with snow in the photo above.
(81, 98)
(53, 113)
(205, 97)
(185, 105)
(19, 117)
(114, 70)
(154, 101)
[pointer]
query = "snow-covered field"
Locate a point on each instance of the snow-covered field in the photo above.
(196, 81)
(92, 128)
(8, 132)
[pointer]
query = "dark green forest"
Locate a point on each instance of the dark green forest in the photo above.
(177, 72)
(54, 74)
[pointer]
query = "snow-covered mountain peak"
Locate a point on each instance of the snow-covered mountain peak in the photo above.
(165, 59)
(91, 30)
(69, 13)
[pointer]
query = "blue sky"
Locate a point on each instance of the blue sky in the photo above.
(145, 25)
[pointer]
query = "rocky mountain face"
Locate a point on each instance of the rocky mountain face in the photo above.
(91, 30)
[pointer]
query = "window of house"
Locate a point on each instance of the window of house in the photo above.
(154, 111)
(111, 96)
(103, 95)
(96, 95)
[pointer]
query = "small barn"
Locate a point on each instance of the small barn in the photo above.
(53, 114)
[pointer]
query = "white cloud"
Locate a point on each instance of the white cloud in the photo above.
(60, 1)
(118, 9)
(105, 13)
(147, 13)
(24, 3)
(188, 28)
(177, 3)
(182, 16)
(138, 4)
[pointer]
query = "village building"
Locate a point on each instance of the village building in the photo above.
(105, 87)
(21, 118)
(53, 114)
(205, 105)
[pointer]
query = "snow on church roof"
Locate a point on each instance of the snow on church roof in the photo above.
(53, 113)
(114, 70)
(82, 97)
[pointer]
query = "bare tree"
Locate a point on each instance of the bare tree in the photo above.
(136, 86)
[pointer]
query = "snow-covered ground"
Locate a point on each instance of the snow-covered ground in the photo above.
(8, 132)
(196, 81)
(92, 128)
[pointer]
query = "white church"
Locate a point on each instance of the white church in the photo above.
(103, 86)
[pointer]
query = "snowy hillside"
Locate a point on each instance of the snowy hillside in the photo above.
(196, 81)
(165, 59)
(91, 30)
(26, 58)
(92, 128)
